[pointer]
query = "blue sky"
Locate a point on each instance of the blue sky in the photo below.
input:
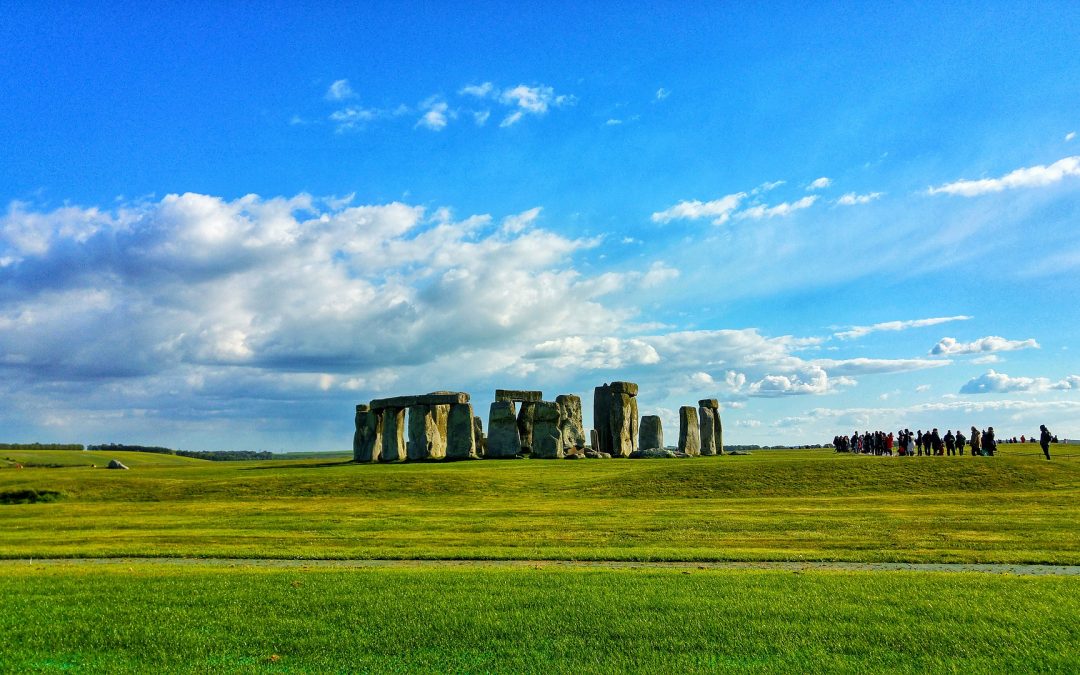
(221, 227)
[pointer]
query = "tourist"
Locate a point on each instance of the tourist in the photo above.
(950, 443)
(976, 443)
(935, 442)
(1044, 440)
(919, 442)
(989, 443)
(910, 444)
(960, 440)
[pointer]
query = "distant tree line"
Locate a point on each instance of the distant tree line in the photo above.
(212, 455)
(42, 446)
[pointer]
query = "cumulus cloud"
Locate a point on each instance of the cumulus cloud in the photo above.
(483, 90)
(719, 210)
(783, 209)
(435, 118)
(851, 199)
(339, 90)
(952, 347)
(593, 353)
(1069, 136)
(993, 382)
(531, 101)
(353, 117)
(860, 331)
(820, 183)
(1034, 176)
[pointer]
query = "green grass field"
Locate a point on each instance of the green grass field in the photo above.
(180, 616)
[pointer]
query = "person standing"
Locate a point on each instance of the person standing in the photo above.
(989, 442)
(960, 440)
(1044, 440)
(919, 442)
(976, 442)
(950, 443)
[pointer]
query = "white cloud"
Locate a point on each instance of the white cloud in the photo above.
(613, 122)
(662, 93)
(1034, 176)
(860, 331)
(1069, 136)
(993, 382)
(593, 353)
(516, 223)
(481, 117)
(767, 187)
(862, 365)
(850, 199)
(435, 118)
(531, 101)
(348, 119)
(984, 360)
(339, 91)
(719, 210)
(478, 90)
(783, 209)
(922, 388)
(820, 183)
(750, 424)
(951, 347)
(659, 273)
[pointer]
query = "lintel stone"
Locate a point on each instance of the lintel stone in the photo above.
(524, 396)
(452, 398)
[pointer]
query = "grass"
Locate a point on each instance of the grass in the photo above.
(167, 618)
(775, 505)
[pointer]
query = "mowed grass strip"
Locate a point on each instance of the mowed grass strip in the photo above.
(168, 618)
(768, 506)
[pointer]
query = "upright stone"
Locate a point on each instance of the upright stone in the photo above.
(594, 439)
(525, 425)
(707, 430)
(713, 406)
(503, 440)
(652, 433)
(573, 433)
(393, 435)
(441, 413)
(478, 435)
(424, 439)
(601, 418)
(460, 438)
(547, 434)
(689, 438)
(367, 441)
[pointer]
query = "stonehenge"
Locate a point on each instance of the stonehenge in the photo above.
(441, 425)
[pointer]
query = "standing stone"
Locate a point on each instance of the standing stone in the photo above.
(717, 429)
(595, 440)
(478, 435)
(460, 439)
(367, 441)
(503, 440)
(441, 414)
(424, 439)
(615, 415)
(393, 435)
(547, 434)
(601, 415)
(689, 438)
(573, 433)
(525, 425)
(634, 428)
(652, 433)
(707, 430)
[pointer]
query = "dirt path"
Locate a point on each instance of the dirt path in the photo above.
(989, 568)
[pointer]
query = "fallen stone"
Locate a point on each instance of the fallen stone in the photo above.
(116, 464)
(689, 433)
(651, 435)
(503, 441)
(546, 433)
(521, 396)
(652, 453)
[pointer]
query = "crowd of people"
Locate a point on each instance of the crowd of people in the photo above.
(904, 443)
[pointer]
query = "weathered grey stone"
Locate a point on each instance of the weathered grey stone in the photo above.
(363, 407)
(525, 425)
(116, 464)
(709, 403)
(460, 436)
(441, 413)
(653, 453)
(424, 439)
(719, 431)
(573, 433)
(628, 388)
(651, 436)
(547, 435)
(367, 441)
(707, 430)
(601, 418)
(615, 418)
(689, 433)
(634, 417)
(393, 435)
(478, 435)
(594, 440)
(438, 398)
(503, 440)
(519, 395)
